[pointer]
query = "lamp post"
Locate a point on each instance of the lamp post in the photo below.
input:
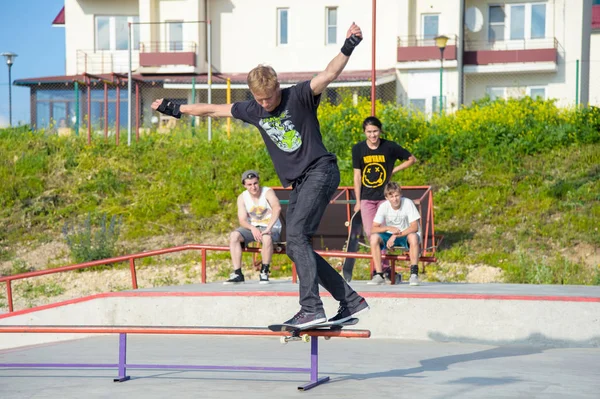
(440, 42)
(9, 61)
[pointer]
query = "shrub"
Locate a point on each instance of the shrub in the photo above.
(88, 244)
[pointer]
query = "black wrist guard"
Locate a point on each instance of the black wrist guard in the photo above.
(169, 108)
(350, 44)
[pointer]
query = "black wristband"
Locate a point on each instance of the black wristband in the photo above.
(350, 44)
(169, 108)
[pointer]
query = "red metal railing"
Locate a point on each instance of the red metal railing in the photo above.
(203, 248)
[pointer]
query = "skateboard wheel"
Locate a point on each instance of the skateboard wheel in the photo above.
(306, 338)
(283, 340)
(347, 224)
(327, 338)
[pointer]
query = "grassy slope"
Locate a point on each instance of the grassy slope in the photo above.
(532, 216)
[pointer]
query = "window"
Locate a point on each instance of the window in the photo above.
(538, 21)
(496, 32)
(112, 32)
(516, 92)
(430, 26)
(331, 25)
(282, 26)
(537, 92)
(517, 22)
(175, 35)
(417, 105)
(496, 92)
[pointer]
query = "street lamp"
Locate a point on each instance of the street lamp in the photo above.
(440, 42)
(9, 61)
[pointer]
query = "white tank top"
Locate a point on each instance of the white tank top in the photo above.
(259, 214)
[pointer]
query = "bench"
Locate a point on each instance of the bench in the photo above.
(123, 331)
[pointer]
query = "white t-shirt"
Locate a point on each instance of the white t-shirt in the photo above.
(259, 214)
(401, 218)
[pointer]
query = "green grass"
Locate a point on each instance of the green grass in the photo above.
(516, 185)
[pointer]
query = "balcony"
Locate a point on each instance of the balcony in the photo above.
(596, 17)
(161, 54)
(525, 55)
(97, 62)
(413, 49)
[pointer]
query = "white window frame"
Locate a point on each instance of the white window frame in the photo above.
(287, 27)
(328, 25)
(171, 45)
(112, 26)
(506, 91)
(508, 23)
(530, 88)
(423, 16)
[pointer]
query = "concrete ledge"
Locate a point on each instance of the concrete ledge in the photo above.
(558, 321)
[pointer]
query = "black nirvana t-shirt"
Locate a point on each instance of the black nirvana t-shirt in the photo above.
(291, 132)
(376, 166)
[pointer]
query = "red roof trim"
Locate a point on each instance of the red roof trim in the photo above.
(59, 20)
(285, 77)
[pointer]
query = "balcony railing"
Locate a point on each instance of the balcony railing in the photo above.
(105, 61)
(161, 54)
(422, 41)
(168, 47)
(503, 45)
(421, 48)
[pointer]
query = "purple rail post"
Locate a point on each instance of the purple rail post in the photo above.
(314, 366)
(122, 359)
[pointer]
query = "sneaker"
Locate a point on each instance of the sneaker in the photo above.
(235, 278)
(377, 280)
(414, 279)
(304, 319)
(346, 313)
(264, 278)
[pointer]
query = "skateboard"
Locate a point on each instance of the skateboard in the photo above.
(352, 244)
(296, 332)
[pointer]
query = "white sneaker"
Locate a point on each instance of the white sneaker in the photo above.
(264, 278)
(414, 280)
(377, 280)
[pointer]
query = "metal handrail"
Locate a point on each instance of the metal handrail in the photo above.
(168, 47)
(203, 248)
(422, 41)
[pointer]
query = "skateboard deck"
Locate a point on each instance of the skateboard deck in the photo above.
(327, 326)
(352, 244)
(295, 332)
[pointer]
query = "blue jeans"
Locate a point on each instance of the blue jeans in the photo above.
(310, 196)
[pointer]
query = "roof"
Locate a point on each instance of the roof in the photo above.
(236, 78)
(59, 20)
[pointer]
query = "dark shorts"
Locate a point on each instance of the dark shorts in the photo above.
(248, 237)
(398, 242)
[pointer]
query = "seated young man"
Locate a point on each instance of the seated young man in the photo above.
(396, 224)
(258, 214)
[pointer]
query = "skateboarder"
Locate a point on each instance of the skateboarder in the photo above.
(396, 223)
(373, 161)
(258, 213)
(287, 121)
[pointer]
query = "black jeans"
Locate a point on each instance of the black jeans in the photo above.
(310, 196)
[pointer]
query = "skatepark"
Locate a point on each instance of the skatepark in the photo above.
(434, 341)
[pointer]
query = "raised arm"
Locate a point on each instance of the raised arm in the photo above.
(319, 83)
(213, 110)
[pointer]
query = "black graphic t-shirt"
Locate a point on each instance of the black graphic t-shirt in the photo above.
(376, 166)
(291, 132)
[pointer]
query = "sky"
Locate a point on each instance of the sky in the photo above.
(26, 29)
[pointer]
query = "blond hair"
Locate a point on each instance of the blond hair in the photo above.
(263, 78)
(392, 187)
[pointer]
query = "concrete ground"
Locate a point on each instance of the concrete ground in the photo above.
(359, 368)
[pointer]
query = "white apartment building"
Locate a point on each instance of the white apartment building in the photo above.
(505, 48)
